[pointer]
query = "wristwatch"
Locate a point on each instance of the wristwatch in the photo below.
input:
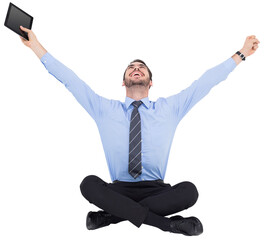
(241, 55)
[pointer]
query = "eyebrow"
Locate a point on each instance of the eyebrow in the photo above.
(131, 65)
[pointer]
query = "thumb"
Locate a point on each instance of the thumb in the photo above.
(25, 29)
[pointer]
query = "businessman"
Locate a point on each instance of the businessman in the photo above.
(136, 135)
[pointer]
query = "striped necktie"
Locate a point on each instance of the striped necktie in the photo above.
(134, 166)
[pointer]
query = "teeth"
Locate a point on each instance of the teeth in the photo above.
(136, 73)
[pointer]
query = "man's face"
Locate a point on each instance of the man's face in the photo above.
(137, 74)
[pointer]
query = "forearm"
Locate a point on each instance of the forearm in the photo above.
(89, 100)
(56, 68)
(66, 76)
(187, 98)
(38, 49)
(215, 75)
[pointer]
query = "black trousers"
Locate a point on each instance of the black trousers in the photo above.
(133, 200)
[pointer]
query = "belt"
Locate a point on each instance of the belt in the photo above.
(158, 180)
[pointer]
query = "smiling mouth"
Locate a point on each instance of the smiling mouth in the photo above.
(136, 74)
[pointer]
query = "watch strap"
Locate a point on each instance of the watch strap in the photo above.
(241, 55)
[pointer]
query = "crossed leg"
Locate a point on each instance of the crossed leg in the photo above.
(150, 210)
(179, 197)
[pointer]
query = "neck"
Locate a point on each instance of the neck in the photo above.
(137, 92)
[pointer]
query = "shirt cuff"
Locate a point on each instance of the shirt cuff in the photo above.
(230, 64)
(47, 59)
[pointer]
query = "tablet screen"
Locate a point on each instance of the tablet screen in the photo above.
(16, 17)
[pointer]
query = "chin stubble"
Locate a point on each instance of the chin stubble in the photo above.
(129, 83)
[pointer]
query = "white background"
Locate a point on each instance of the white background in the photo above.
(49, 143)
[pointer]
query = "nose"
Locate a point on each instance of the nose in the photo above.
(135, 69)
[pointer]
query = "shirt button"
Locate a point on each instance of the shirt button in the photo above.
(45, 61)
(143, 179)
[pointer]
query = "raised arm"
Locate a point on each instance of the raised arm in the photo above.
(182, 102)
(94, 104)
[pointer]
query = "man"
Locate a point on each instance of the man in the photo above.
(137, 136)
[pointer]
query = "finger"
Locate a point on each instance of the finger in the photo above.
(25, 29)
(252, 37)
(254, 40)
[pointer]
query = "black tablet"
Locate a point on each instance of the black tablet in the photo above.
(16, 17)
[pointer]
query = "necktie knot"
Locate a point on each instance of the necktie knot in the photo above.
(137, 103)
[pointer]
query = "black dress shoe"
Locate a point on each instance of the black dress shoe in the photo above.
(190, 226)
(98, 219)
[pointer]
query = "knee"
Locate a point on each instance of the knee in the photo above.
(191, 193)
(88, 184)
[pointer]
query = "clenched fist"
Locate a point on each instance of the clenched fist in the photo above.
(250, 45)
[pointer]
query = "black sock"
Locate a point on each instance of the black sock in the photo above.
(158, 221)
(114, 219)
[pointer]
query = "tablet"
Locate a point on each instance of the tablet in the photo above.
(16, 17)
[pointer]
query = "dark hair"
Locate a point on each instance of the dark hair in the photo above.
(138, 60)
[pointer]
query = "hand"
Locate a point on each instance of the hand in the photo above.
(33, 43)
(250, 45)
(31, 36)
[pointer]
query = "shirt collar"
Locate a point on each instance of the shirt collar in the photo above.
(129, 100)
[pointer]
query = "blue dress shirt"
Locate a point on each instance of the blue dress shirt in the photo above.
(158, 119)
